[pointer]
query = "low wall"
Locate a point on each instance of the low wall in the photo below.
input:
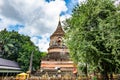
(38, 78)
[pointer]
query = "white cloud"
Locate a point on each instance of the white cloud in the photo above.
(64, 17)
(40, 18)
(4, 22)
(81, 1)
(117, 2)
(43, 43)
(1, 4)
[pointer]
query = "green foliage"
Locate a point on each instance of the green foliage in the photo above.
(18, 47)
(94, 78)
(93, 35)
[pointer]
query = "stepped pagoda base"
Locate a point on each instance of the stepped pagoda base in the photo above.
(52, 73)
(57, 61)
(56, 67)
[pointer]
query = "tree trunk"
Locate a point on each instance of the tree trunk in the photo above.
(105, 71)
(111, 76)
(86, 72)
(105, 76)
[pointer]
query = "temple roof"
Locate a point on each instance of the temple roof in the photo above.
(8, 64)
(59, 31)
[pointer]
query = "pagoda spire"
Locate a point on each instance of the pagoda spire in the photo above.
(59, 23)
(59, 18)
(59, 31)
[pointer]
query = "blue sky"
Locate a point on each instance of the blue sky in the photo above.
(69, 4)
(35, 18)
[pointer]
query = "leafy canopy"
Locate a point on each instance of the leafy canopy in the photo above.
(93, 35)
(19, 47)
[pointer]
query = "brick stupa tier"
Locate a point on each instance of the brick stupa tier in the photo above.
(58, 55)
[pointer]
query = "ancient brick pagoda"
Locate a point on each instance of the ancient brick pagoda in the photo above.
(57, 59)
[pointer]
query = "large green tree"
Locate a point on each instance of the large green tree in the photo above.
(93, 36)
(18, 47)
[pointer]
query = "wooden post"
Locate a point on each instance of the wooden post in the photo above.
(30, 67)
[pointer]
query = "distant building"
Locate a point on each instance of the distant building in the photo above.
(8, 67)
(57, 59)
